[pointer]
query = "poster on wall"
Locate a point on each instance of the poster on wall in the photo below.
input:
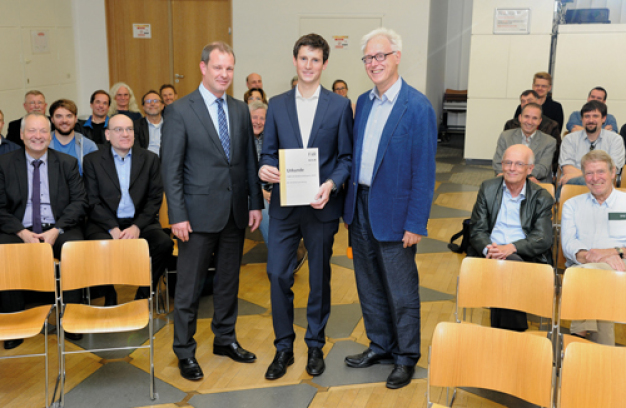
(511, 21)
(39, 41)
(142, 31)
(341, 42)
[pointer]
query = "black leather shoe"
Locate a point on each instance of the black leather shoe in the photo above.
(11, 344)
(235, 352)
(279, 365)
(315, 364)
(73, 336)
(400, 376)
(190, 369)
(366, 359)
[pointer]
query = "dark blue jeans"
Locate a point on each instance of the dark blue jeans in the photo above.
(388, 286)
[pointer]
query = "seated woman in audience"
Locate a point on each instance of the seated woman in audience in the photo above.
(254, 94)
(123, 101)
(340, 87)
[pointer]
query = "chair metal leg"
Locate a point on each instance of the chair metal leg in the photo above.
(153, 394)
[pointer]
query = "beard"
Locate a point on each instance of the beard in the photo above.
(591, 128)
(59, 131)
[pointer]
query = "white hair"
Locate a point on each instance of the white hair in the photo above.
(393, 37)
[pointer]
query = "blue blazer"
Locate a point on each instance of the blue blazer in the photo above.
(403, 180)
(331, 134)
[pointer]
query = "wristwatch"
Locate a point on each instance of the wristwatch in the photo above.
(620, 251)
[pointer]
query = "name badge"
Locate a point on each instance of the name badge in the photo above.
(617, 225)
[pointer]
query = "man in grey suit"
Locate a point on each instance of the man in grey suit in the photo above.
(542, 145)
(209, 168)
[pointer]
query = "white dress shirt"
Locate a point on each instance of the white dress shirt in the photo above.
(306, 108)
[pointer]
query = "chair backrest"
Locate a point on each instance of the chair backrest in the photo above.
(468, 355)
(27, 267)
(523, 286)
(549, 187)
(593, 294)
(106, 262)
(164, 218)
(593, 375)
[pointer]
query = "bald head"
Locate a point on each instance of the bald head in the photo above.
(517, 163)
(254, 81)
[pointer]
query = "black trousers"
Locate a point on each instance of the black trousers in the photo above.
(194, 258)
(15, 300)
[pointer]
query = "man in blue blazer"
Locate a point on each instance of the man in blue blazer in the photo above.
(388, 204)
(307, 116)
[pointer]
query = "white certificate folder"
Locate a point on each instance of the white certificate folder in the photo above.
(299, 176)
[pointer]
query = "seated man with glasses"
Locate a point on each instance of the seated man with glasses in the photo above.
(543, 146)
(125, 192)
(592, 137)
(512, 220)
(148, 128)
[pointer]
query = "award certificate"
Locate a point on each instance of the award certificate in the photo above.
(299, 176)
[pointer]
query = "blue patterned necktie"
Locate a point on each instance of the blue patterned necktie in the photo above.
(221, 118)
(36, 197)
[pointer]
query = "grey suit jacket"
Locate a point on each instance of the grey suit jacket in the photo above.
(201, 186)
(542, 145)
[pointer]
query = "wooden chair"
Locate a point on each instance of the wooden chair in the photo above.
(106, 262)
(568, 191)
(593, 376)
(523, 286)
(27, 267)
(468, 355)
(548, 187)
(591, 294)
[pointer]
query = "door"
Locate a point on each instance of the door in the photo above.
(195, 24)
(179, 29)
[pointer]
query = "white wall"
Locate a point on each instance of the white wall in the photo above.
(458, 50)
(92, 61)
(436, 64)
(501, 68)
(576, 77)
(53, 72)
(264, 35)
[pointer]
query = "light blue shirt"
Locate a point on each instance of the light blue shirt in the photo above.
(47, 217)
(210, 101)
(585, 224)
(508, 228)
(381, 109)
(126, 209)
(154, 131)
(575, 145)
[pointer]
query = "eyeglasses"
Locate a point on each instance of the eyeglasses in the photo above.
(379, 57)
(123, 130)
(340, 89)
(509, 163)
(152, 101)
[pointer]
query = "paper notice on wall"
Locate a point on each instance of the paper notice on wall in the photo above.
(39, 41)
(142, 31)
(511, 21)
(341, 42)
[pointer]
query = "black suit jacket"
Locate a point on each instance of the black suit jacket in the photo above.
(104, 193)
(201, 186)
(67, 193)
(142, 134)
